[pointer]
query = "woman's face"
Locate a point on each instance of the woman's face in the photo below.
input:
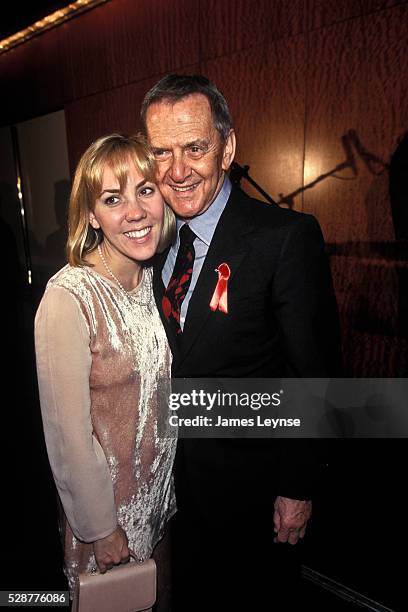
(131, 220)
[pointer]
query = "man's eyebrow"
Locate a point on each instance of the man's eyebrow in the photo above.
(194, 143)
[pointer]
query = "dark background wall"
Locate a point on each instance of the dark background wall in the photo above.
(318, 92)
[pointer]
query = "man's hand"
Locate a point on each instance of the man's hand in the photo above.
(111, 550)
(290, 519)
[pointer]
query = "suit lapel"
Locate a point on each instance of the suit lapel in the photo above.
(227, 246)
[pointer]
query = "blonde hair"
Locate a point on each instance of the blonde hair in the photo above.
(114, 150)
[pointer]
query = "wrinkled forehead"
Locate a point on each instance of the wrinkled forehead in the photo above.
(188, 119)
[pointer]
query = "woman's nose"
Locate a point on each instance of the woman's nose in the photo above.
(135, 211)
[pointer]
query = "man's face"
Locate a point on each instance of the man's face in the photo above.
(191, 157)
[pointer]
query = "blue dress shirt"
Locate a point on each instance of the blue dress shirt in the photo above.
(204, 227)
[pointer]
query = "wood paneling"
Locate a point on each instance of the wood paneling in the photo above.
(351, 120)
(369, 293)
(369, 6)
(116, 110)
(356, 112)
(335, 105)
(234, 25)
(130, 40)
(114, 44)
(386, 69)
(265, 89)
(375, 355)
(326, 12)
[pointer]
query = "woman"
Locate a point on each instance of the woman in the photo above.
(103, 363)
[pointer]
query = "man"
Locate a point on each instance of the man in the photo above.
(280, 321)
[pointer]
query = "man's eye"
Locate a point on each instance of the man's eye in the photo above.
(196, 151)
(161, 153)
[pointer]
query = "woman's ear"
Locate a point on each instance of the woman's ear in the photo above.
(93, 221)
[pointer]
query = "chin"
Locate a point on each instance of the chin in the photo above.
(148, 253)
(187, 209)
(144, 254)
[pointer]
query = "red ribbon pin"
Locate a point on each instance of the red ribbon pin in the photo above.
(220, 296)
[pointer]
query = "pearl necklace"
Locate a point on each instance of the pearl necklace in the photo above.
(111, 273)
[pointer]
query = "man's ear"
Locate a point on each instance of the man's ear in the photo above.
(93, 221)
(229, 151)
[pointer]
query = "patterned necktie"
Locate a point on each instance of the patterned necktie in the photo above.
(180, 279)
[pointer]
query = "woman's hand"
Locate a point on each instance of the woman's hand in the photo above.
(111, 550)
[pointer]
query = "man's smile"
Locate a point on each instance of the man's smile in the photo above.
(185, 188)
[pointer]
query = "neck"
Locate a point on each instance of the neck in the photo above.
(125, 270)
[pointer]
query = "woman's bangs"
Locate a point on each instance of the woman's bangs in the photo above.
(120, 160)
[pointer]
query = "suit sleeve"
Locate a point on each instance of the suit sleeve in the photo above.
(306, 309)
(78, 463)
(305, 304)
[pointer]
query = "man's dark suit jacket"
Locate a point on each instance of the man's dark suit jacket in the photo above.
(281, 321)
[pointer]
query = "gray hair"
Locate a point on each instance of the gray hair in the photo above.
(175, 87)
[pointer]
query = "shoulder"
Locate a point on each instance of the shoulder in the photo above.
(266, 218)
(77, 281)
(64, 294)
(69, 277)
(60, 312)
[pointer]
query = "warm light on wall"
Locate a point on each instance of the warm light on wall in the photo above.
(50, 21)
(312, 167)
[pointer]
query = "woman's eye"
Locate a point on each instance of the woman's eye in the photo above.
(146, 191)
(111, 200)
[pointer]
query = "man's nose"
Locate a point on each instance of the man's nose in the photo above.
(180, 169)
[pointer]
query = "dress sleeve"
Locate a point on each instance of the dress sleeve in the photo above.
(77, 459)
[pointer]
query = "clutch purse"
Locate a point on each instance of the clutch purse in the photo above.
(124, 588)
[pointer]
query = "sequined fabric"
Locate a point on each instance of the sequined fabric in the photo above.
(129, 378)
